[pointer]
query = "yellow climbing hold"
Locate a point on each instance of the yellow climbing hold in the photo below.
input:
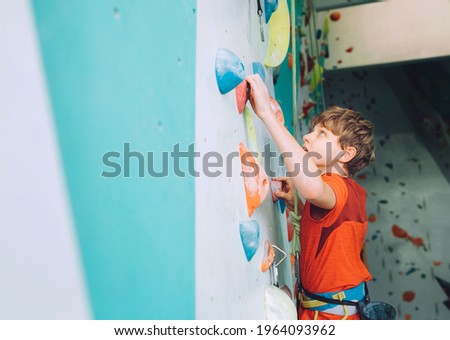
(279, 28)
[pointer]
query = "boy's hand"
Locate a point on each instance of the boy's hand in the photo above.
(259, 96)
(287, 192)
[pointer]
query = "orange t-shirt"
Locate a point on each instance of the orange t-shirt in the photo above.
(330, 247)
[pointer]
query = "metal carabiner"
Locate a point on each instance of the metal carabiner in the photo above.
(261, 23)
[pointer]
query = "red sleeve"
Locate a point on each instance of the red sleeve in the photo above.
(337, 184)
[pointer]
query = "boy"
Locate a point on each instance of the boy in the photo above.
(334, 221)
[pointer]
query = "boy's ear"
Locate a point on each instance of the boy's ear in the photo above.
(348, 154)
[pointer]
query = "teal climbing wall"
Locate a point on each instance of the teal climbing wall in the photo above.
(283, 91)
(124, 72)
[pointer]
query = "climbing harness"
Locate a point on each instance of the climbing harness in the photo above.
(353, 300)
(328, 302)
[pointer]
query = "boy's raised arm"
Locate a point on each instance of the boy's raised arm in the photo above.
(300, 168)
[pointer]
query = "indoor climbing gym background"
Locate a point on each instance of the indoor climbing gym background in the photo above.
(123, 124)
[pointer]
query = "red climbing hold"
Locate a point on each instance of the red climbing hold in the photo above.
(242, 93)
(362, 176)
(399, 232)
(335, 16)
(306, 107)
(408, 296)
(417, 241)
(275, 185)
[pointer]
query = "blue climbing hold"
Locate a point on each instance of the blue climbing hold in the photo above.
(229, 70)
(282, 206)
(318, 34)
(258, 68)
(249, 231)
(270, 6)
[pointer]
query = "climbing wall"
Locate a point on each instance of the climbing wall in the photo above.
(228, 285)
(81, 79)
(117, 76)
(119, 90)
(407, 200)
(424, 91)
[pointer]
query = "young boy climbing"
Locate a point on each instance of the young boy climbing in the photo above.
(334, 223)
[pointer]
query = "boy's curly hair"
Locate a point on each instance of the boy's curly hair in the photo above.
(353, 130)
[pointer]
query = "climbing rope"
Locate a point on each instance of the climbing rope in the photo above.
(294, 217)
(296, 222)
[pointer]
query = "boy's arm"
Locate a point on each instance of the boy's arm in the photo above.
(304, 173)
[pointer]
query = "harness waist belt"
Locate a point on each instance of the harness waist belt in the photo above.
(353, 294)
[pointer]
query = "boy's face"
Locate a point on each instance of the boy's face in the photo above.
(324, 149)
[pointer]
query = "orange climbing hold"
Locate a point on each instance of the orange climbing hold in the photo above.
(349, 50)
(292, 259)
(255, 180)
(372, 218)
(269, 255)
